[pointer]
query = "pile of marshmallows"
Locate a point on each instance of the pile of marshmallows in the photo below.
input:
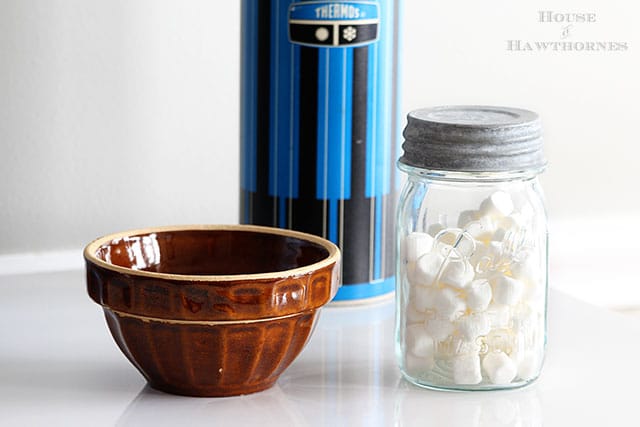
(475, 301)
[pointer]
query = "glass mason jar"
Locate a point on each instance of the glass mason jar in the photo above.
(472, 249)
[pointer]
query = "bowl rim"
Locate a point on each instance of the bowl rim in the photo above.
(333, 257)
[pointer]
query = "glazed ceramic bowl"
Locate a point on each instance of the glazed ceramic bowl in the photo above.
(211, 310)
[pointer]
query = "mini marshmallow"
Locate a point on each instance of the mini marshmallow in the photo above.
(518, 349)
(499, 204)
(501, 234)
(499, 367)
(514, 221)
(528, 269)
(448, 304)
(479, 260)
(479, 295)
(524, 320)
(427, 267)
(508, 233)
(418, 366)
(467, 217)
(464, 248)
(418, 342)
(456, 245)
(435, 228)
(499, 315)
(415, 245)
(496, 252)
(457, 274)
(423, 297)
(410, 270)
(474, 326)
(486, 258)
(528, 327)
(414, 316)
(529, 365)
(506, 290)
(466, 369)
(461, 346)
(439, 329)
(482, 228)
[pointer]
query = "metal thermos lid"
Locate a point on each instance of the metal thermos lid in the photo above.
(473, 138)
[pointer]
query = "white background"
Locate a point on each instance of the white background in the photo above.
(124, 114)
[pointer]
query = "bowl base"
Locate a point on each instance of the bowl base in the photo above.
(225, 391)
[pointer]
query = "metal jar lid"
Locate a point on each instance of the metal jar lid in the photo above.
(473, 138)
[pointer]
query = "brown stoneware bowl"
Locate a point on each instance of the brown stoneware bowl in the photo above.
(211, 310)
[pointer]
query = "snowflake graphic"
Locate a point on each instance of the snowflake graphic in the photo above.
(349, 33)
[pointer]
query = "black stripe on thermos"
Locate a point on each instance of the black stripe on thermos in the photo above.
(262, 204)
(357, 210)
(307, 208)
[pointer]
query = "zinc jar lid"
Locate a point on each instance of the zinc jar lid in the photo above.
(472, 138)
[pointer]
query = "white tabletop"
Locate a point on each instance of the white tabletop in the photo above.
(60, 366)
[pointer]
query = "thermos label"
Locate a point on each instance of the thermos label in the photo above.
(333, 23)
